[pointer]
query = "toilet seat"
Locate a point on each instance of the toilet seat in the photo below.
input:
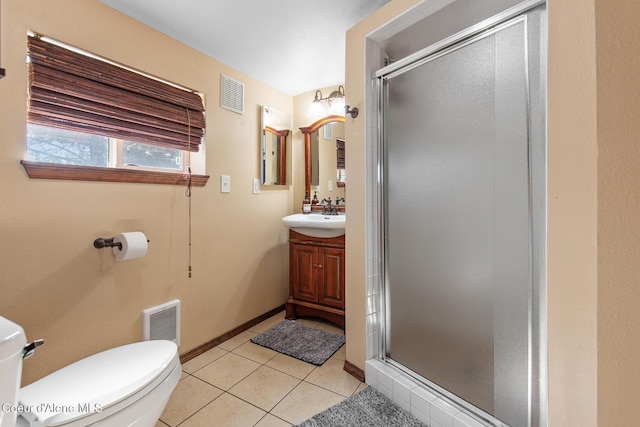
(100, 385)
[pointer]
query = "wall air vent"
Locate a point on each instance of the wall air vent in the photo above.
(231, 94)
(162, 322)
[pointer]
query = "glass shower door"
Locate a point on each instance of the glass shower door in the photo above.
(457, 221)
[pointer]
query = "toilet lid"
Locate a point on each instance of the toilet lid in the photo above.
(96, 382)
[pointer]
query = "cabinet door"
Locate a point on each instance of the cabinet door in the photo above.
(304, 285)
(331, 277)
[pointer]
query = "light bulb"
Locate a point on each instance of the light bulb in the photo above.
(316, 109)
(337, 106)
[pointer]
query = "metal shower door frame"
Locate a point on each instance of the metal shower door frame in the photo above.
(538, 396)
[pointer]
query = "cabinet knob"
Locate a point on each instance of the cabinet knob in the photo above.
(317, 265)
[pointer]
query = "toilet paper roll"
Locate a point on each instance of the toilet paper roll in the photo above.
(134, 245)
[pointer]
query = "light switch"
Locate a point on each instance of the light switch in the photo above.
(225, 184)
(256, 185)
(330, 185)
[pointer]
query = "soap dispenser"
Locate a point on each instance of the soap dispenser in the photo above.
(306, 203)
(314, 201)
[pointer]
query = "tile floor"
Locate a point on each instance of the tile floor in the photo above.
(239, 383)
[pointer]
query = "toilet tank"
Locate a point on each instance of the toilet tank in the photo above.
(12, 342)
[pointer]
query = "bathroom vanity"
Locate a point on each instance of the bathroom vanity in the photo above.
(316, 246)
(316, 277)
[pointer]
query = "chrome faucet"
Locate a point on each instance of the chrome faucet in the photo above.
(326, 210)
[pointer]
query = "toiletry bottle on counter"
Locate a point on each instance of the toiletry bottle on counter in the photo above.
(306, 204)
(314, 201)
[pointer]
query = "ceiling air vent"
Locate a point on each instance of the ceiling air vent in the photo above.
(231, 94)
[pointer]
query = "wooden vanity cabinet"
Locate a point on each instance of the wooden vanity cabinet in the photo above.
(316, 278)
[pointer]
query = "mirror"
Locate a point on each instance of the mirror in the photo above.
(324, 157)
(274, 139)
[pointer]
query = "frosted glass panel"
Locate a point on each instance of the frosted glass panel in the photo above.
(457, 224)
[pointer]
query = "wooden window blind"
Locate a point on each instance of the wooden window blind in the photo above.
(79, 92)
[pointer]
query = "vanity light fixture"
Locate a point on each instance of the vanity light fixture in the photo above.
(335, 100)
(316, 108)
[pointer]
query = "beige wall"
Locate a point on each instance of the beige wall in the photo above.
(593, 193)
(618, 64)
(56, 285)
(572, 215)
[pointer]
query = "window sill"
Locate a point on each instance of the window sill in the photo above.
(37, 170)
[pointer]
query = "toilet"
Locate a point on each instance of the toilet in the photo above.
(126, 386)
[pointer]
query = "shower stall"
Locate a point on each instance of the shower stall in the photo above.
(462, 168)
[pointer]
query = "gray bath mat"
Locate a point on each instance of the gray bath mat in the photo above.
(302, 342)
(369, 408)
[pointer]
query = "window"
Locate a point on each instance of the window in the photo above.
(87, 114)
(51, 145)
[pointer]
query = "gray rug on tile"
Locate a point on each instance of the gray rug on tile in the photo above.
(302, 342)
(369, 408)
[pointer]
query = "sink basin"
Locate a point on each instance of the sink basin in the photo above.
(315, 224)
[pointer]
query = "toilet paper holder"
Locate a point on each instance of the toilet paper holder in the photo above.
(101, 242)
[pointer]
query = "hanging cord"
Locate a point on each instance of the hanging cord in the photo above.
(188, 191)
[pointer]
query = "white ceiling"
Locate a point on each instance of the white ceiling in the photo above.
(292, 45)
